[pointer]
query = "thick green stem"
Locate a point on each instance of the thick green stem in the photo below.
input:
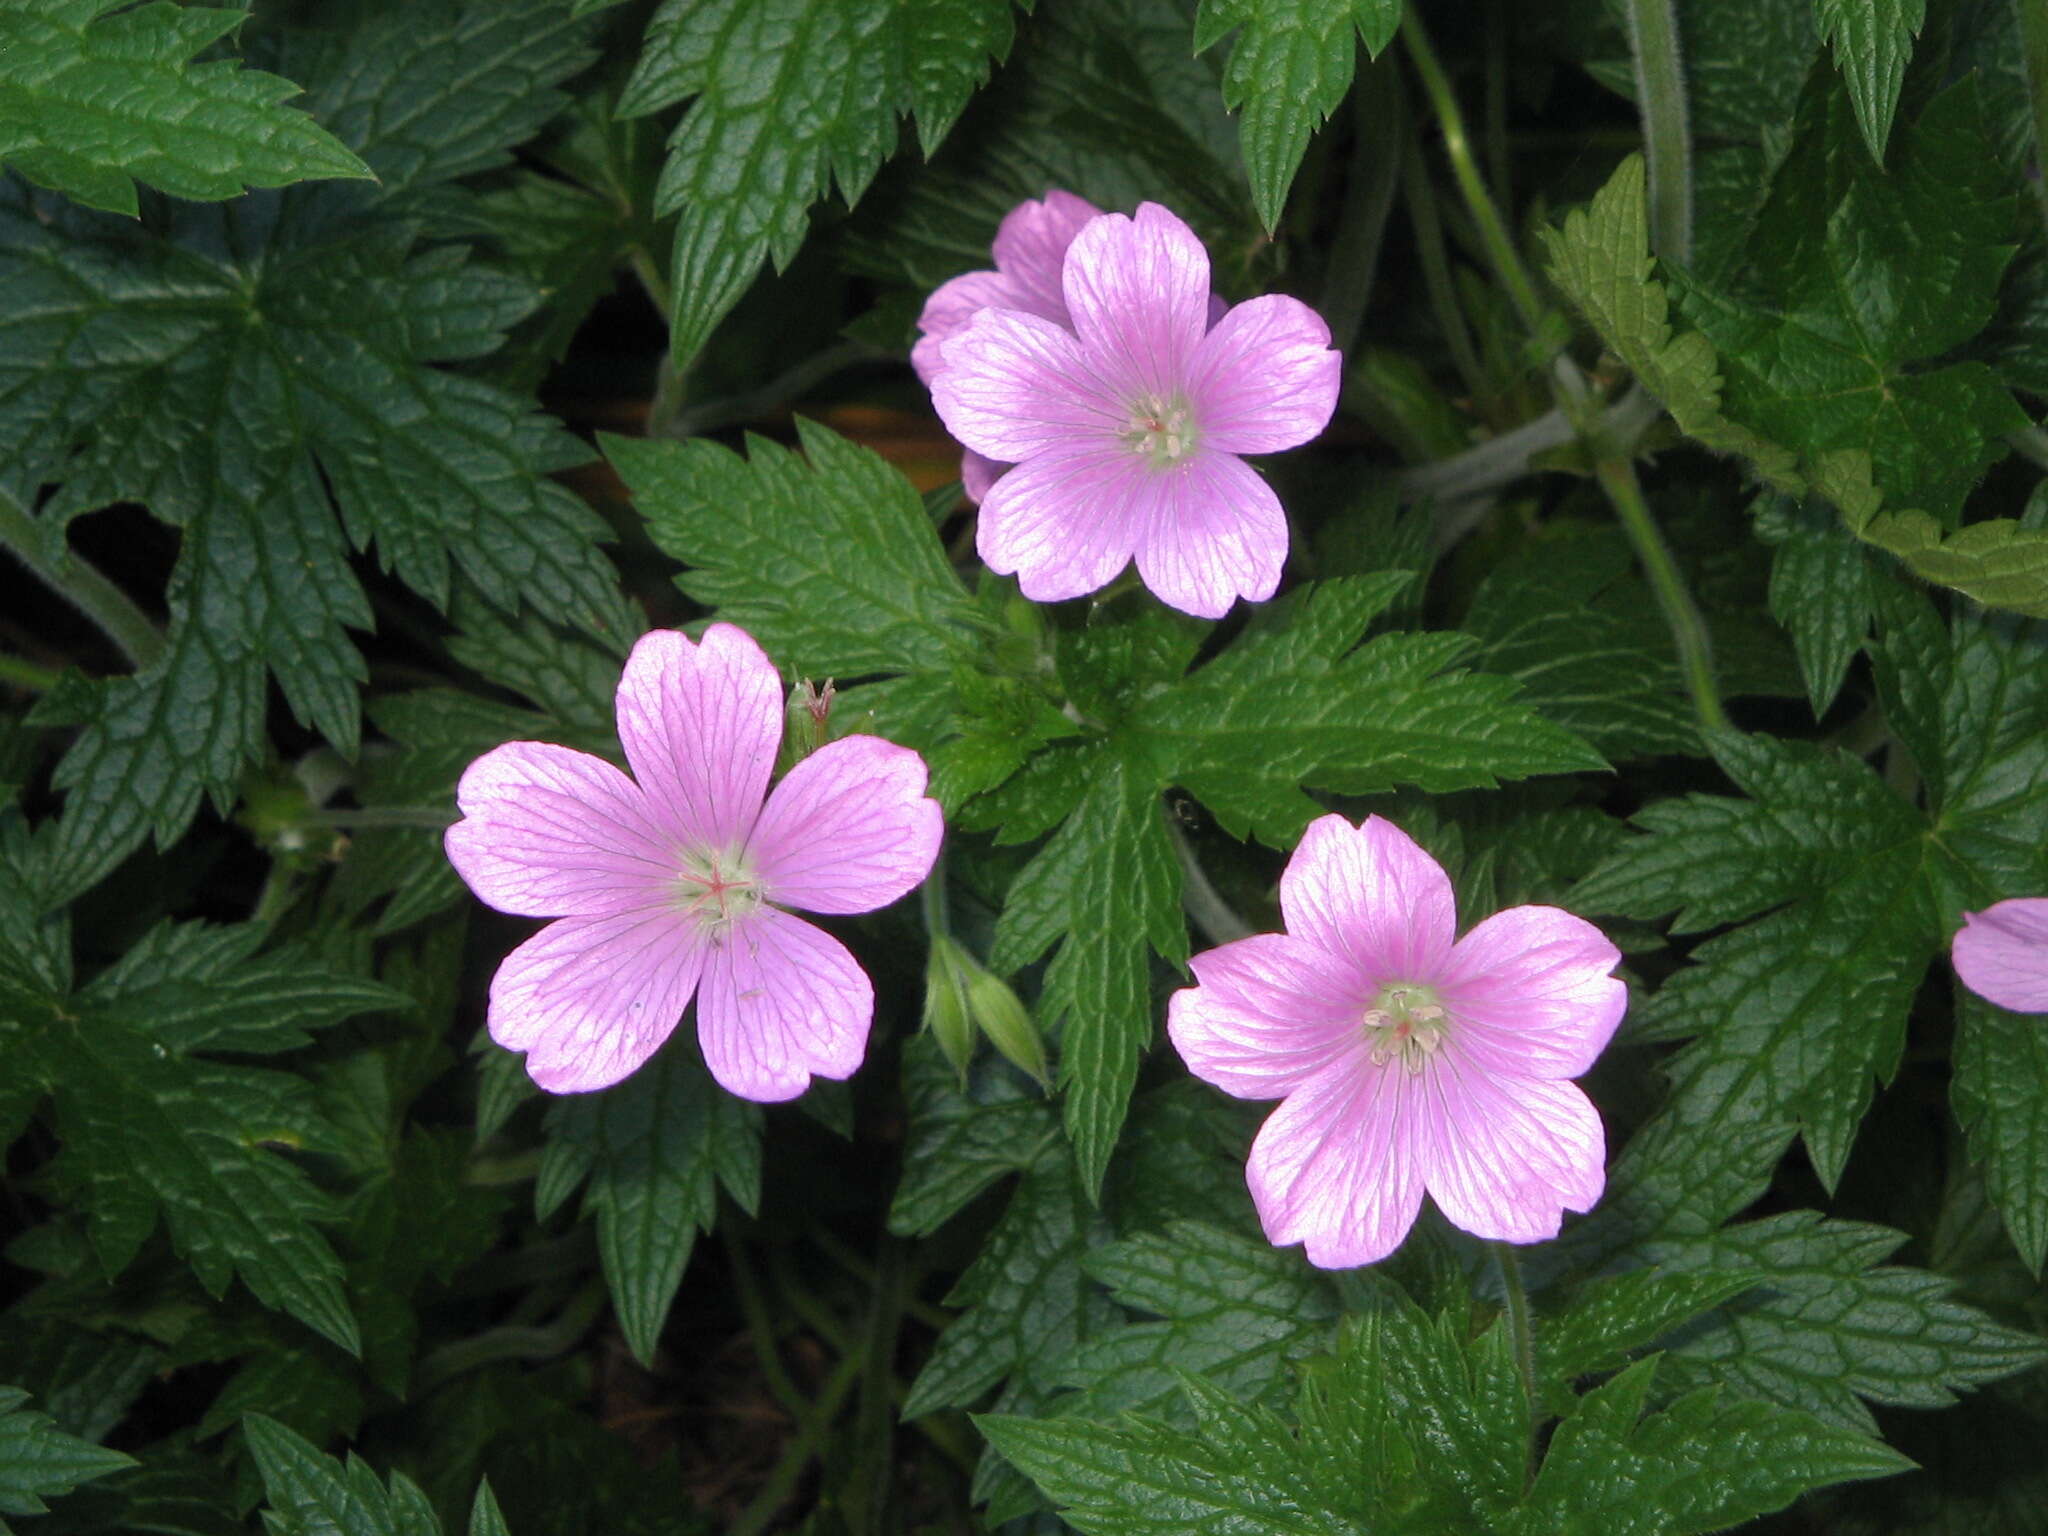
(19, 672)
(81, 586)
(2033, 20)
(1667, 132)
(672, 418)
(803, 1445)
(512, 1342)
(1688, 630)
(1493, 231)
(1522, 1337)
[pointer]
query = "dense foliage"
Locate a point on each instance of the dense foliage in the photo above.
(374, 374)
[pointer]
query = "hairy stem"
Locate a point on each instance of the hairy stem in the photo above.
(1688, 630)
(761, 1332)
(81, 586)
(1667, 131)
(676, 420)
(1493, 231)
(1522, 1337)
(803, 1445)
(512, 1342)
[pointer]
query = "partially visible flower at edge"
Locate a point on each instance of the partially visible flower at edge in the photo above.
(1125, 424)
(1406, 1060)
(1030, 252)
(2001, 953)
(672, 882)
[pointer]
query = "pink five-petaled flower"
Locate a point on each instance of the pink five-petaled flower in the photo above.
(674, 884)
(1125, 430)
(1030, 252)
(1405, 1061)
(2001, 953)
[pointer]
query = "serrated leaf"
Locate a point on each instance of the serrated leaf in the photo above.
(1289, 69)
(1306, 705)
(251, 400)
(1109, 880)
(1820, 591)
(655, 1150)
(961, 1141)
(2000, 1093)
(791, 96)
(1872, 42)
(827, 559)
(485, 1519)
(1233, 1310)
(1618, 1314)
(310, 1494)
(1025, 1300)
(1831, 1325)
(91, 101)
(37, 1458)
(1708, 1461)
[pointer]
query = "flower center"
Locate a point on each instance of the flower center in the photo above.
(1162, 430)
(717, 889)
(1405, 1021)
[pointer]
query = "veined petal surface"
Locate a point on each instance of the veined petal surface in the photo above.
(1265, 1018)
(849, 829)
(1264, 378)
(1371, 897)
(701, 722)
(781, 1001)
(1530, 992)
(2001, 953)
(1138, 295)
(1212, 532)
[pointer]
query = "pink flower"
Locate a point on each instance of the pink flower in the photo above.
(674, 885)
(1030, 251)
(1125, 430)
(1405, 1061)
(2001, 953)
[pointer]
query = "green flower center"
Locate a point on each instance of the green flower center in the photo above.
(1162, 430)
(717, 889)
(1405, 1021)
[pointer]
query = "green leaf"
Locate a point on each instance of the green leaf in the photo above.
(827, 559)
(1706, 1462)
(485, 1519)
(1109, 880)
(1872, 42)
(151, 1130)
(1857, 278)
(310, 1494)
(1285, 707)
(1233, 1310)
(1618, 1314)
(128, 348)
(2000, 1093)
(961, 1142)
(1601, 260)
(655, 1150)
(37, 1458)
(788, 97)
(90, 100)
(1025, 1300)
(1831, 1324)
(1820, 592)
(1288, 71)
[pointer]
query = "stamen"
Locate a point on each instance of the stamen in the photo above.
(1408, 1022)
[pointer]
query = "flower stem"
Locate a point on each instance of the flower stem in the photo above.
(1217, 919)
(20, 672)
(1617, 478)
(1379, 121)
(931, 899)
(83, 587)
(1493, 232)
(1667, 134)
(1523, 1338)
(1436, 273)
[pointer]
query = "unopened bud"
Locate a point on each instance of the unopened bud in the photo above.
(945, 1003)
(806, 722)
(1006, 1021)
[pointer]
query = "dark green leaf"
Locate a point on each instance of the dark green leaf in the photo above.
(1873, 42)
(89, 100)
(961, 1142)
(2000, 1092)
(1820, 592)
(37, 1458)
(309, 1494)
(1616, 1315)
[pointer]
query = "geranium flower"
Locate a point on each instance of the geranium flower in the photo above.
(2001, 953)
(1404, 1061)
(1030, 253)
(675, 884)
(1126, 429)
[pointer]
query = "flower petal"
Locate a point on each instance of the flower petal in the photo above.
(1336, 1166)
(952, 305)
(1214, 533)
(2001, 953)
(848, 830)
(978, 473)
(1264, 378)
(1138, 294)
(1064, 523)
(781, 1000)
(1031, 250)
(547, 831)
(1529, 993)
(1011, 385)
(591, 998)
(701, 724)
(1506, 1157)
(1370, 896)
(1265, 1018)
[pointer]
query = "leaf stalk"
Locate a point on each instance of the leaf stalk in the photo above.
(79, 584)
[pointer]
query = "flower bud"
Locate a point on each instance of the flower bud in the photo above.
(945, 1002)
(806, 722)
(1006, 1021)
